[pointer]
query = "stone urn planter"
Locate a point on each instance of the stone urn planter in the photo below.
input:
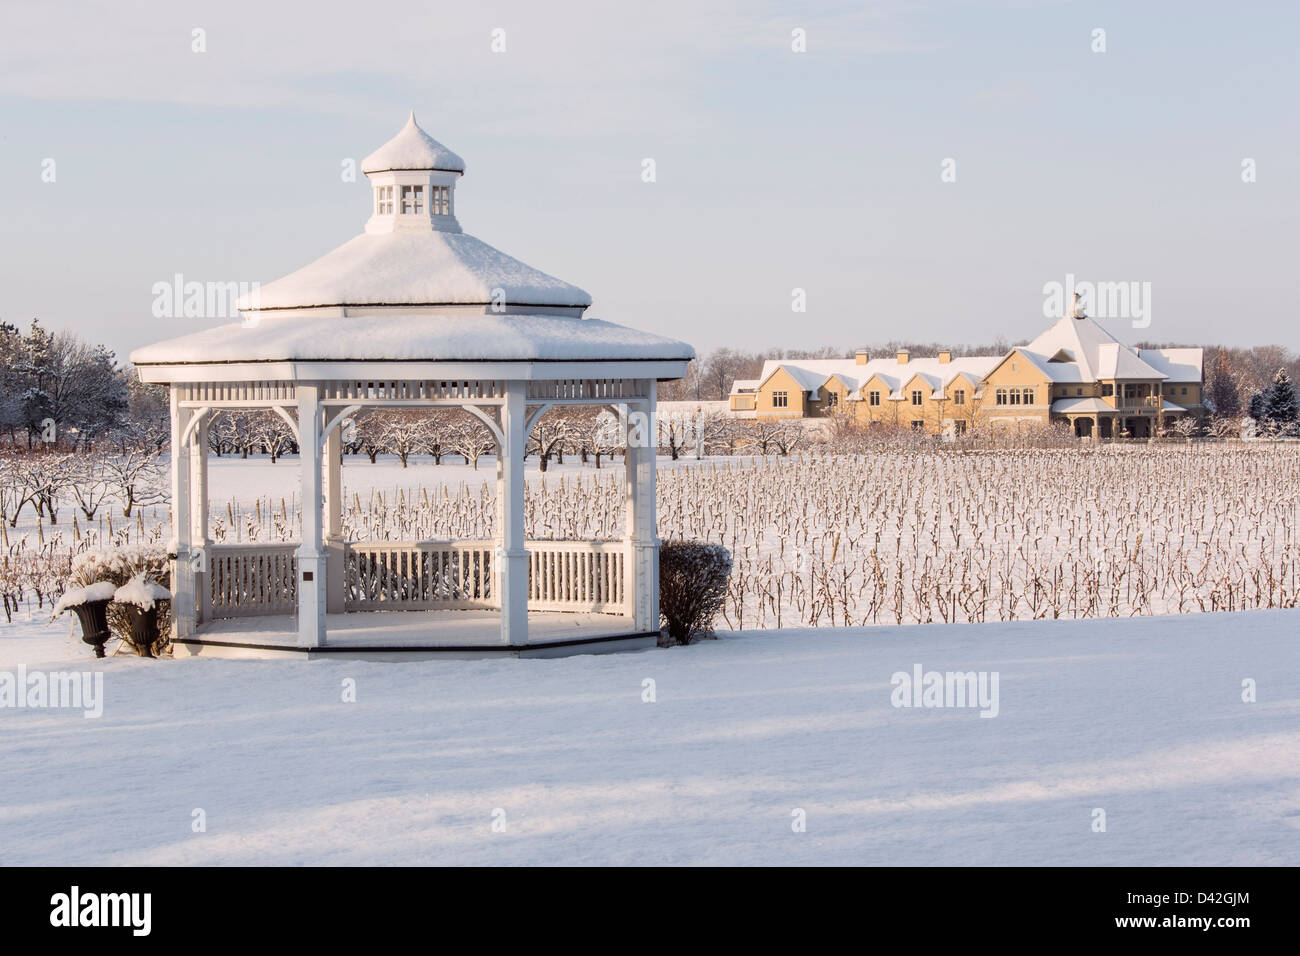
(90, 605)
(139, 598)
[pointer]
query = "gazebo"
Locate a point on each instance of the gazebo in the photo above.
(412, 313)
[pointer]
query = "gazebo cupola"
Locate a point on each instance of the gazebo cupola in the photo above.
(413, 182)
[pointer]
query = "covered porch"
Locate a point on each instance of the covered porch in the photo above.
(324, 595)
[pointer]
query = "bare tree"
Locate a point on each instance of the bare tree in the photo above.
(470, 438)
(549, 434)
(403, 432)
(89, 481)
(136, 478)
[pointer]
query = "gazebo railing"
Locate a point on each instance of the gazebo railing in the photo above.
(393, 575)
(261, 578)
(576, 576)
(248, 579)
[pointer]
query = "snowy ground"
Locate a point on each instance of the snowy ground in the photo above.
(1140, 717)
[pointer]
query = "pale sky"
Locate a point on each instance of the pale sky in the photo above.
(775, 169)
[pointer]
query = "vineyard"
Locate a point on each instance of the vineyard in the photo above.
(897, 536)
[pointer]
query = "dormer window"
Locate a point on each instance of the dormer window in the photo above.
(440, 200)
(383, 200)
(412, 200)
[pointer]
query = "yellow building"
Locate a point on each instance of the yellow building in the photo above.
(1075, 372)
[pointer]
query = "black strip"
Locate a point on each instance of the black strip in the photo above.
(371, 648)
(417, 305)
(519, 361)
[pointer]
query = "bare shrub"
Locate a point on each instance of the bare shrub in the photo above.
(692, 587)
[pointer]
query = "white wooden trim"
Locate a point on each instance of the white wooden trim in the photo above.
(198, 416)
(293, 425)
(487, 420)
(337, 420)
(538, 412)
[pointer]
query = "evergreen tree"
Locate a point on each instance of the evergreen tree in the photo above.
(1223, 395)
(1281, 405)
(1255, 407)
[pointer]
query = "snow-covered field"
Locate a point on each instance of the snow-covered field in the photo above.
(1142, 718)
(908, 536)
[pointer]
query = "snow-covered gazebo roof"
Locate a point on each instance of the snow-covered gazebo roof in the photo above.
(413, 287)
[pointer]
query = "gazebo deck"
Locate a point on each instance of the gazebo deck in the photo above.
(416, 635)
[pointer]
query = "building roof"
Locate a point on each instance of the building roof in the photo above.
(415, 337)
(414, 268)
(812, 374)
(1080, 405)
(1177, 365)
(412, 148)
(1082, 350)
(1072, 350)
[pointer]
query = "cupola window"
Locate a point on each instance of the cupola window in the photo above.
(412, 200)
(440, 201)
(384, 200)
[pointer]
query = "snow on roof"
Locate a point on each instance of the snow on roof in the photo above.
(415, 337)
(1171, 407)
(744, 385)
(412, 148)
(1063, 405)
(1177, 365)
(414, 268)
(812, 374)
(1097, 353)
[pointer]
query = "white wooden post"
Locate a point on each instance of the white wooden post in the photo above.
(512, 558)
(647, 535)
(311, 555)
(642, 532)
(199, 518)
(631, 566)
(182, 584)
(334, 578)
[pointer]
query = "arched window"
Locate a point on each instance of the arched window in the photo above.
(1029, 396)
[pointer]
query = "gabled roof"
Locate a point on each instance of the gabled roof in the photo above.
(812, 374)
(412, 148)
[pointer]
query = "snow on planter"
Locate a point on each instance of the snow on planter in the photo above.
(99, 591)
(142, 592)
